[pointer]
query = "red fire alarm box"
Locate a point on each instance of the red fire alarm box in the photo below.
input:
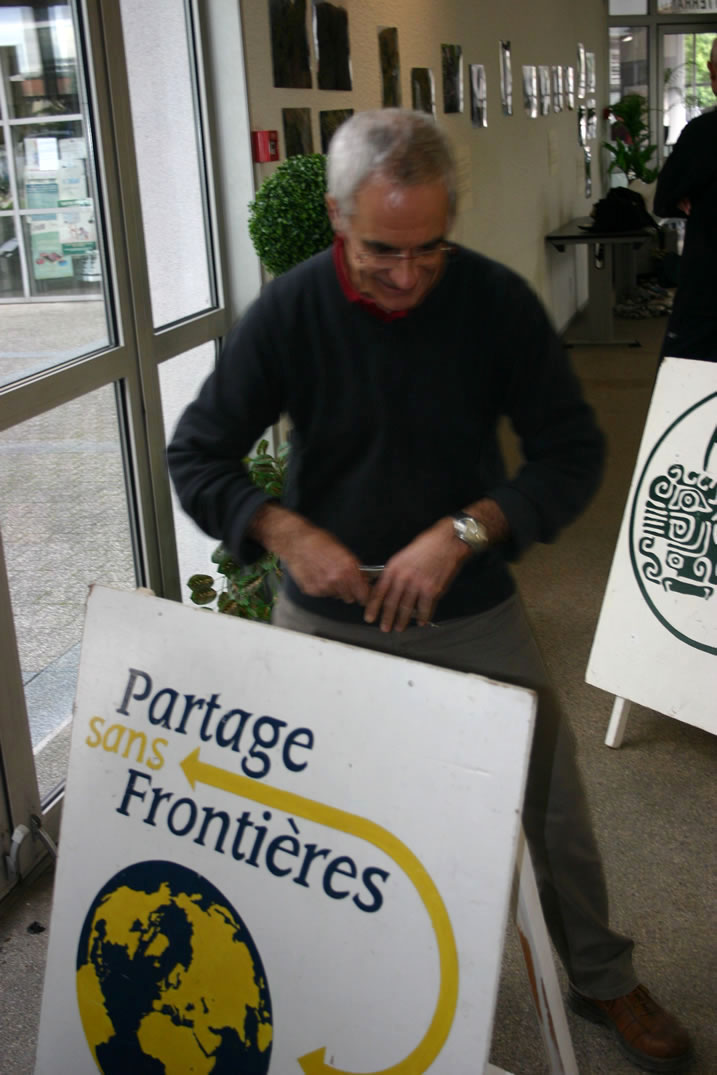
(264, 146)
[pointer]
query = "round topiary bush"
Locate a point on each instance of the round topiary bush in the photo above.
(288, 219)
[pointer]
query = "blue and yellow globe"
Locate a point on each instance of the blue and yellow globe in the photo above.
(169, 980)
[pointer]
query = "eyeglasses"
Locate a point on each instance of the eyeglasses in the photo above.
(423, 258)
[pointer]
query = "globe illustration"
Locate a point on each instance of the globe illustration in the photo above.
(169, 980)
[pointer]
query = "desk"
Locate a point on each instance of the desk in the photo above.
(600, 329)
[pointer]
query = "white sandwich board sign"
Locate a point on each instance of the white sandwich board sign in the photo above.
(656, 639)
(278, 854)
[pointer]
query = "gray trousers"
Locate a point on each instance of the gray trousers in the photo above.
(499, 644)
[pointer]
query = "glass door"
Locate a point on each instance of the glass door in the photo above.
(684, 78)
(113, 312)
(64, 508)
(48, 236)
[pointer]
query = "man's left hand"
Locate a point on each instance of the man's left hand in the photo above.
(416, 577)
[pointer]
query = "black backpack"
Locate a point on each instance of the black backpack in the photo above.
(621, 209)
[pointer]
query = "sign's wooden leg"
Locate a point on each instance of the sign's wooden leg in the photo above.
(542, 975)
(618, 722)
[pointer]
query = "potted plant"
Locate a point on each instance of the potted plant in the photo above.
(288, 222)
(631, 149)
(288, 219)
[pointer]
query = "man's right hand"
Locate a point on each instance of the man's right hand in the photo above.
(320, 565)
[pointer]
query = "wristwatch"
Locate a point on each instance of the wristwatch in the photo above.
(469, 530)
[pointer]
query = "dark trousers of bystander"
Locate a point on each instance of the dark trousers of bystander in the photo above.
(696, 339)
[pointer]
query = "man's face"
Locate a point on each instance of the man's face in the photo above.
(394, 220)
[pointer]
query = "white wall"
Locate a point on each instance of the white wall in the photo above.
(526, 175)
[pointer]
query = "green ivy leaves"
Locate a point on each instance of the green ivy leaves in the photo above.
(249, 591)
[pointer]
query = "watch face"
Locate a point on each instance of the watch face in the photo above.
(470, 531)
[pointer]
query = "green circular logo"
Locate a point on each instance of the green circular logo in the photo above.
(169, 980)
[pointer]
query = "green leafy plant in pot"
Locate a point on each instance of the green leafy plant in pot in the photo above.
(631, 149)
(288, 222)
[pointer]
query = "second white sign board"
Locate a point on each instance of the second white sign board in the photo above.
(656, 640)
(278, 854)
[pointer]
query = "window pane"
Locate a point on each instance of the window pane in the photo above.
(39, 59)
(10, 275)
(46, 161)
(180, 379)
(63, 514)
(161, 78)
(37, 335)
(628, 61)
(628, 7)
(687, 91)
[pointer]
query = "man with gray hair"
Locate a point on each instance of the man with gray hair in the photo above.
(395, 354)
(687, 187)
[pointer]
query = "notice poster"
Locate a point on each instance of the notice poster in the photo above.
(72, 182)
(278, 854)
(41, 188)
(41, 153)
(656, 640)
(73, 150)
(78, 230)
(49, 260)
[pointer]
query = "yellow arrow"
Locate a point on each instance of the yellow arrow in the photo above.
(434, 1039)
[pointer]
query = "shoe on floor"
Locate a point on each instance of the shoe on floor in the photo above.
(645, 1033)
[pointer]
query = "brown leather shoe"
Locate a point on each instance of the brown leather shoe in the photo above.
(647, 1035)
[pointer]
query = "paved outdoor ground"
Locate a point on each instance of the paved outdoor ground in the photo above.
(63, 509)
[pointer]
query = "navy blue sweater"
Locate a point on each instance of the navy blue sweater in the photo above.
(394, 423)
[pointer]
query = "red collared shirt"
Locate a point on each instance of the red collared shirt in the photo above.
(350, 291)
